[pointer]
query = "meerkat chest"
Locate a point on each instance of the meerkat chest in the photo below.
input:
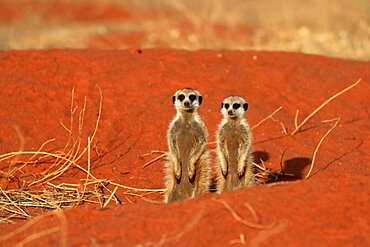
(233, 135)
(187, 134)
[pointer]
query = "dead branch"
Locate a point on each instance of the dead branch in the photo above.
(240, 219)
(154, 160)
(318, 146)
(324, 104)
(266, 118)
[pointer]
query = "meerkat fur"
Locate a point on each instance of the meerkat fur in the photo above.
(234, 146)
(187, 170)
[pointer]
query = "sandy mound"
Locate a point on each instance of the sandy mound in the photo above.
(329, 208)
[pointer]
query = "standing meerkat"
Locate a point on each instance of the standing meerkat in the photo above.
(234, 146)
(187, 167)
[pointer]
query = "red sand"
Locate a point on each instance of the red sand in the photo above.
(328, 209)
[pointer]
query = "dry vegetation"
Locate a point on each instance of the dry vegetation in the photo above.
(319, 27)
(39, 191)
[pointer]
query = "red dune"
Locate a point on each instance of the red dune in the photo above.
(330, 208)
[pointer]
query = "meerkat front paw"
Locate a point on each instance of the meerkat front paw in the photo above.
(224, 167)
(224, 172)
(177, 172)
(241, 171)
(191, 173)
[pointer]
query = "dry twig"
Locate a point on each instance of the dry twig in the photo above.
(241, 220)
(318, 145)
(285, 130)
(38, 235)
(296, 119)
(153, 160)
(266, 118)
(241, 240)
(110, 197)
(322, 105)
(263, 235)
(20, 229)
(267, 175)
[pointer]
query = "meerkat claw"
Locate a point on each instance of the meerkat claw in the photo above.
(177, 174)
(241, 172)
(224, 173)
(191, 176)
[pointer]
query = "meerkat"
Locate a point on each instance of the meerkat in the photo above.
(234, 146)
(187, 166)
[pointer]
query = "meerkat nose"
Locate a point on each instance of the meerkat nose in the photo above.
(186, 104)
(230, 112)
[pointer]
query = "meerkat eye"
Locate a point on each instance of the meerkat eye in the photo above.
(181, 97)
(192, 97)
(227, 106)
(236, 106)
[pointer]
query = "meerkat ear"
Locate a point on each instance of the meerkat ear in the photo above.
(200, 99)
(222, 105)
(173, 99)
(245, 106)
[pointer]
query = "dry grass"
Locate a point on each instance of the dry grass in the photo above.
(14, 203)
(267, 175)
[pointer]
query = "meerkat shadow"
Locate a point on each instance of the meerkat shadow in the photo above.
(260, 157)
(295, 166)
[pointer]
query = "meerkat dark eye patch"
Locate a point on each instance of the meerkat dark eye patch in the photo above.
(192, 97)
(245, 106)
(227, 106)
(181, 97)
(200, 99)
(236, 106)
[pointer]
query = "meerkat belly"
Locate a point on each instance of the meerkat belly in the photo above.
(185, 141)
(233, 142)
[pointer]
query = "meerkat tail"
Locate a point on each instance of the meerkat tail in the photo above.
(249, 172)
(169, 180)
(203, 172)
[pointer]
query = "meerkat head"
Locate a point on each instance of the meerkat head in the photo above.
(234, 107)
(187, 99)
